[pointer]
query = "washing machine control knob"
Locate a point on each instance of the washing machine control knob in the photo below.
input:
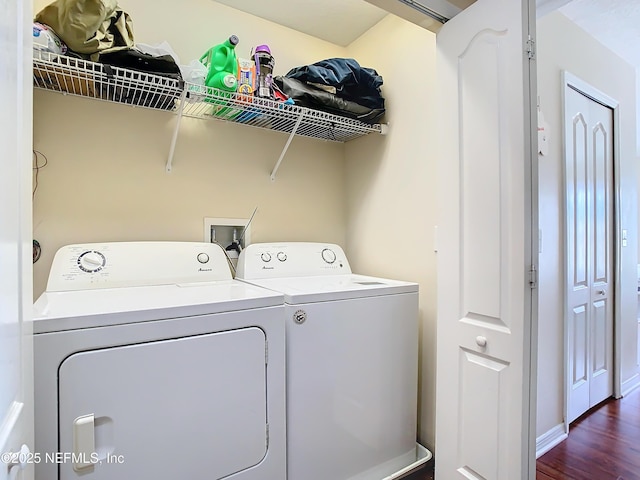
(282, 256)
(266, 257)
(91, 261)
(328, 255)
(203, 257)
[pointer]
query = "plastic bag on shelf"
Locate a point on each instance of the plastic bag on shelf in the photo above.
(45, 39)
(158, 50)
(194, 72)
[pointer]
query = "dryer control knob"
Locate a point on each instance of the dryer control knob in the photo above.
(328, 255)
(282, 256)
(203, 257)
(91, 261)
(266, 257)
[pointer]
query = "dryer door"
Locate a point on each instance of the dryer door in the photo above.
(190, 407)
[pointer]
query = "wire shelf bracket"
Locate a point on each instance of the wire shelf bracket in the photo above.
(176, 129)
(286, 147)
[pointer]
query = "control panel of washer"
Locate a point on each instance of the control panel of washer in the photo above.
(291, 259)
(130, 264)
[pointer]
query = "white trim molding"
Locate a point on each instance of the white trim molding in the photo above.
(550, 439)
(630, 385)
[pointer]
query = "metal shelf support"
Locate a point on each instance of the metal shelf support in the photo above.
(286, 146)
(174, 139)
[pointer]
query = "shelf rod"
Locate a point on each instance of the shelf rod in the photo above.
(174, 139)
(286, 146)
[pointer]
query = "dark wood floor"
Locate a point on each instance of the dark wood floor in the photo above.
(603, 444)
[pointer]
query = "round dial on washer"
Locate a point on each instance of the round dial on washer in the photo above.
(328, 255)
(281, 256)
(203, 257)
(91, 261)
(266, 257)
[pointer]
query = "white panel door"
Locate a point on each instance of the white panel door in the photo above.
(589, 176)
(483, 428)
(16, 370)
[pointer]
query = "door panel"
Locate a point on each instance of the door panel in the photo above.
(601, 220)
(580, 214)
(589, 176)
(601, 382)
(581, 362)
(484, 251)
(600, 348)
(479, 434)
(480, 158)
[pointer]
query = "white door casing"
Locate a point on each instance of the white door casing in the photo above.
(589, 161)
(16, 351)
(484, 427)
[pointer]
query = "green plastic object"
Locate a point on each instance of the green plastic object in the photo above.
(223, 65)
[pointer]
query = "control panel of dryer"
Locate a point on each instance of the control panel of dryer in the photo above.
(291, 259)
(130, 264)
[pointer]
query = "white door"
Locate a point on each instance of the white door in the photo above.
(485, 255)
(589, 177)
(16, 369)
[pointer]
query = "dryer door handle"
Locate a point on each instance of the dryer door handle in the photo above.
(84, 442)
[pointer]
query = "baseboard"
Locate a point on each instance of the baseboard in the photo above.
(550, 439)
(630, 385)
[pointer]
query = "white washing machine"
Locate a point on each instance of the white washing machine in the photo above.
(352, 362)
(152, 363)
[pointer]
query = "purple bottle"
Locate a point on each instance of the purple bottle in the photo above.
(264, 70)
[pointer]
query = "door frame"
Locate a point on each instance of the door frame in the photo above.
(16, 379)
(572, 81)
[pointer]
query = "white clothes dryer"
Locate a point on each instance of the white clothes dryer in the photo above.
(152, 363)
(352, 362)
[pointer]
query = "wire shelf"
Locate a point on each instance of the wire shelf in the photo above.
(207, 102)
(83, 78)
(74, 76)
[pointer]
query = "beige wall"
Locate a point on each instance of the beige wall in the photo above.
(391, 183)
(564, 46)
(106, 181)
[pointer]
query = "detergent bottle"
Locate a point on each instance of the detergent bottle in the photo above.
(223, 65)
(264, 71)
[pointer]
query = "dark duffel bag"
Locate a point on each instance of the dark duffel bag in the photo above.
(160, 90)
(134, 59)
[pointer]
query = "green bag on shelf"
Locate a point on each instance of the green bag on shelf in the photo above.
(89, 27)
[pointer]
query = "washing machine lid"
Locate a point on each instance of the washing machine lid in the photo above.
(70, 310)
(298, 290)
